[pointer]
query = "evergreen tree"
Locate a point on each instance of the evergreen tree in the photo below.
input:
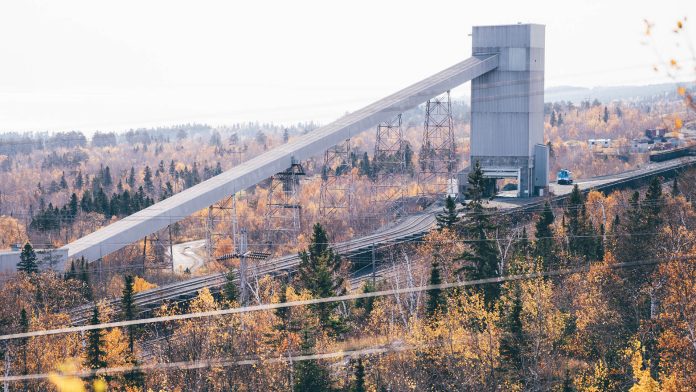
(448, 217)
(283, 313)
(230, 288)
(436, 302)
(653, 203)
(79, 182)
(559, 122)
(358, 384)
(320, 273)
(106, 180)
(147, 180)
(582, 239)
(286, 135)
(96, 352)
(63, 183)
(553, 119)
(310, 376)
(84, 278)
(86, 203)
(482, 252)
(567, 383)
(131, 178)
(129, 308)
(544, 244)
(605, 118)
(24, 328)
(27, 260)
(512, 340)
(72, 208)
(675, 187)
(367, 304)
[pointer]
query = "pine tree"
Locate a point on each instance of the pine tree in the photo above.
(568, 383)
(24, 328)
(84, 277)
(552, 121)
(582, 238)
(72, 208)
(63, 183)
(131, 178)
(675, 187)
(96, 352)
(436, 302)
(79, 182)
(367, 304)
(449, 216)
(129, 308)
(358, 384)
(106, 180)
(27, 260)
(482, 252)
(147, 180)
(605, 118)
(544, 244)
(559, 122)
(320, 273)
(310, 376)
(230, 288)
(513, 338)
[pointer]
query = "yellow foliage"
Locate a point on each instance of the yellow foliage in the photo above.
(65, 383)
(140, 284)
(643, 380)
(11, 232)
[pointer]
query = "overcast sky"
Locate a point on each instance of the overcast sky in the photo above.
(111, 65)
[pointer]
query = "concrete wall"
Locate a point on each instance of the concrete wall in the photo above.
(54, 259)
(507, 103)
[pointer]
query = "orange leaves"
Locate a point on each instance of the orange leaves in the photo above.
(678, 123)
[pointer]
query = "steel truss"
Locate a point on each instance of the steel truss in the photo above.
(389, 186)
(282, 221)
(437, 161)
(336, 191)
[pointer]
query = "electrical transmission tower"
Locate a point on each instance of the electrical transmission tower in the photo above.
(437, 158)
(216, 216)
(336, 191)
(389, 187)
(282, 222)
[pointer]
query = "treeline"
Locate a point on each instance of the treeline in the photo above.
(118, 204)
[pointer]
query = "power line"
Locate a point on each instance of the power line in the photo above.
(348, 297)
(225, 362)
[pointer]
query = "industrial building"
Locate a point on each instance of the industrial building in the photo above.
(507, 109)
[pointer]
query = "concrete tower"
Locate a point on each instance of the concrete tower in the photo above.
(507, 107)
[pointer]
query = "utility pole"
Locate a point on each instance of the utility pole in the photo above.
(374, 268)
(171, 248)
(243, 284)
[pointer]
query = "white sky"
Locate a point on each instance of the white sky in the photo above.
(112, 65)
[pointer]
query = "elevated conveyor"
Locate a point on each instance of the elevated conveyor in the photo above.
(158, 216)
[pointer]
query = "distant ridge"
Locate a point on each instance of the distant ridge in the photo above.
(608, 94)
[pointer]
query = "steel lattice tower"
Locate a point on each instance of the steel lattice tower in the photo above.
(437, 158)
(336, 191)
(389, 188)
(282, 222)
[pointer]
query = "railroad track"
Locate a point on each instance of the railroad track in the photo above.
(406, 230)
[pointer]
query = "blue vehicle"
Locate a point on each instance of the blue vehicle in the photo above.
(564, 177)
